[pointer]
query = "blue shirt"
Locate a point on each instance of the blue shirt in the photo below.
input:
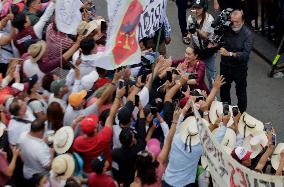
(182, 166)
(220, 133)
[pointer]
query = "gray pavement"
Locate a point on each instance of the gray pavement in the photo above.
(265, 95)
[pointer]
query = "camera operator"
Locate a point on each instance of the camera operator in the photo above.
(234, 59)
(201, 30)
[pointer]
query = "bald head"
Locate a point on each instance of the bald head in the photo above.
(237, 19)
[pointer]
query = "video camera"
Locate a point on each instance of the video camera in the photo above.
(221, 25)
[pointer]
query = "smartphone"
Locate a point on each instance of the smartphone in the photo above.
(120, 84)
(274, 139)
(143, 78)
(103, 26)
(175, 71)
(235, 110)
(184, 88)
(193, 76)
(225, 108)
(154, 110)
(268, 127)
(199, 98)
(169, 76)
(137, 99)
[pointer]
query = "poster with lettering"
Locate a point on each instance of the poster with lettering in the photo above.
(225, 171)
(68, 16)
(152, 17)
(122, 47)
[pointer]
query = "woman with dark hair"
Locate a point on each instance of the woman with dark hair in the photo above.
(55, 115)
(151, 163)
(39, 180)
(36, 101)
(192, 65)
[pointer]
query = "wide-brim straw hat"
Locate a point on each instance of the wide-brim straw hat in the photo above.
(255, 142)
(217, 108)
(189, 131)
(275, 159)
(248, 125)
(63, 139)
(229, 140)
(37, 50)
(63, 166)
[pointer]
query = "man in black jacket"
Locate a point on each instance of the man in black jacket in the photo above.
(234, 59)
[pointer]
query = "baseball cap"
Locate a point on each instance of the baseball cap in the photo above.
(240, 153)
(200, 3)
(57, 85)
(88, 80)
(98, 163)
(76, 98)
(89, 123)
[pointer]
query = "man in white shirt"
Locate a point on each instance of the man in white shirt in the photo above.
(35, 153)
(20, 122)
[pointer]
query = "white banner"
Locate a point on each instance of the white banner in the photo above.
(152, 17)
(122, 47)
(225, 171)
(68, 15)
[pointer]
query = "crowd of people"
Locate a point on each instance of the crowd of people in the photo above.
(133, 126)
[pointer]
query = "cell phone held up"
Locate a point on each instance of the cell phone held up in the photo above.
(143, 78)
(169, 76)
(192, 76)
(225, 108)
(235, 110)
(274, 139)
(137, 100)
(154, 111)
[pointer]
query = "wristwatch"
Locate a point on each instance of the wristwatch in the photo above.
(230, 54)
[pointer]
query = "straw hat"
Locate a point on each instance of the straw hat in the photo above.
(275, 159)
(248, 125)
(255, 142)
(37, 50)
(189, 131)
(92, 25)
(2, 129)
(63, 139)
(229, 140)
(82, 27)
(217, 107)
(63, 166)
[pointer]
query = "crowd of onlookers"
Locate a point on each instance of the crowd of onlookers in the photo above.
(133, 126)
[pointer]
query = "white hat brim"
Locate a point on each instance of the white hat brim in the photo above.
(251, 120)
(217, 106)
(66, 147)
(275, 159)
(190, 121)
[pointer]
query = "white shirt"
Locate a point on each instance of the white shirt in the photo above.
(85, 67)
(116, 129)
(54, 99)
(16, 128)
(30, 68)
(35, 155)
(205, 28)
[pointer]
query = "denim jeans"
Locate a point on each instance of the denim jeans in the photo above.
(210, 70)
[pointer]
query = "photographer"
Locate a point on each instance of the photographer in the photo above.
(234, 59)
(201, 30)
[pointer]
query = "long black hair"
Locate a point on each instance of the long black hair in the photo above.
(146, 168)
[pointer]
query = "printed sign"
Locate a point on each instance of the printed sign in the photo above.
(152, 18)
(68, 15)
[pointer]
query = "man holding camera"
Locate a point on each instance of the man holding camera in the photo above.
(234, 59)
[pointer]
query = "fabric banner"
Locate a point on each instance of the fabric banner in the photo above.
(68, 15)
(225, 171)
(152, 18)
(122, 47)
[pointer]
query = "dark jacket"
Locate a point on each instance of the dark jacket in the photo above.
(240, 43)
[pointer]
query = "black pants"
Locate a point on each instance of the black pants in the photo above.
(182, 6)
(238, 74)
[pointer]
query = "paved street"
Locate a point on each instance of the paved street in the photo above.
(265, 95)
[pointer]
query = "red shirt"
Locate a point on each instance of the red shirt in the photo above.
(102, 180)
(91, 147)
(23, 38)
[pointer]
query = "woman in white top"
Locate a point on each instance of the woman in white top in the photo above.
(200, 36)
